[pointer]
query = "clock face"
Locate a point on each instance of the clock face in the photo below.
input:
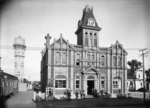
(91, 22)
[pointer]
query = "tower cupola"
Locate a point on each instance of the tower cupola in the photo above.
(88, 29)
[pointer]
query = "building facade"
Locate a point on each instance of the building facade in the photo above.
(19, 54)
(85, 66)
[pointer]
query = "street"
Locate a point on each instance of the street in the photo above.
(21, 100)
(24, 100)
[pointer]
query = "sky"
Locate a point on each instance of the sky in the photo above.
(124, 20)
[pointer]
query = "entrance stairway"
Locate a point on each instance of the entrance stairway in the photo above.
(89, 96)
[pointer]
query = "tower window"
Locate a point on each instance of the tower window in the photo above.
(86, 41)
(95, 42)
(95, 34)
(86, 33)
(90, 33)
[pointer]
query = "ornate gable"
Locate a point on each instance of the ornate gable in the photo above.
(117, 48)
(61, 43)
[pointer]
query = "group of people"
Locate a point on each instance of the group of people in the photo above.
(82, 94)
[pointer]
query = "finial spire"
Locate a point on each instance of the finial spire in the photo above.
(48, 37)
(88, 9)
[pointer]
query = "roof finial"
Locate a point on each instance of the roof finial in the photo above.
(117, 41)
(48, 37)
(60, 34)
(88, 9)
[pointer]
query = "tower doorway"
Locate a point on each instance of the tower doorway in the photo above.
(90, 86)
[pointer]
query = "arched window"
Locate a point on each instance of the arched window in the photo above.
(64, 58)
(91, 34)
(57, 58)
(78, 59)
(86, 33)
(91, 41)
(95, 39)
(102, 60)
(93, 59)
(102, 82)
(114, 61)
(88, 59)
(60, 81)
(119, 61)
(77, 81)
(95, 42)
(115, 83)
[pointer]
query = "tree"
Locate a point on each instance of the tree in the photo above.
(134, 66)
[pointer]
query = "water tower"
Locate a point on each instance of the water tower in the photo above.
(19, 53)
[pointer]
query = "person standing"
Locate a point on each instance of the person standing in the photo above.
(50, 95)
(76, 93)
(83, 94)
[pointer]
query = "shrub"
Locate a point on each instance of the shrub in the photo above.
(121, 96)
(68, 94)
(107, 95)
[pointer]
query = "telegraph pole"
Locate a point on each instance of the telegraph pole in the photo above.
(0, 63)
(143, 55)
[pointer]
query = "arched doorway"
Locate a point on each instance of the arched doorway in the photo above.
(90, 85)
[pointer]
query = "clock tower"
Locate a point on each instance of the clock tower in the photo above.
(88, 29)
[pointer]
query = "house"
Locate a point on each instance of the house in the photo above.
(138, 80)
